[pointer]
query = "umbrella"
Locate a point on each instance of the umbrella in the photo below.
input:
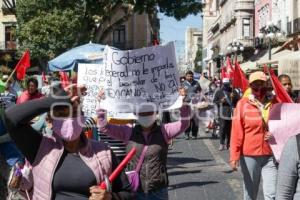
(88, 53)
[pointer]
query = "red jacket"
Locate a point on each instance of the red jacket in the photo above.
(247, 133)
(25, 96)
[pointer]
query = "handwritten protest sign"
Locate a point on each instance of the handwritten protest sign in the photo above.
(91, 76)
(140, 80)
(283, 123)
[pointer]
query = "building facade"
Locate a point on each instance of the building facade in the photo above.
(8, 23)
(193, 41)
(285, 14)
(140, 30)
(233, 21)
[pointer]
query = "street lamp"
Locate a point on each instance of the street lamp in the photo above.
(235, 47)
(270, 32)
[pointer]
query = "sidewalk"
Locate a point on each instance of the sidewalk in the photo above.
(197, 170)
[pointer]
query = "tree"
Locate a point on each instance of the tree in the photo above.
(49, 27)
(198, 60)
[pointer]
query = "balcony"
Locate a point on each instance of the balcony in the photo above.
(8, 46)
(244, 5)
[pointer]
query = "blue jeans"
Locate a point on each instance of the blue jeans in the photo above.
(161, 194)
(11, 154)
(255, 167)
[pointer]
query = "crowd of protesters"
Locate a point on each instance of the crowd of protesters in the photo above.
(48, 146)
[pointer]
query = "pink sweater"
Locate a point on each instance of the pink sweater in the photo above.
(123, 132)
(96, 155)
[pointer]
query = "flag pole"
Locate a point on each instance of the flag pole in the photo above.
(11, 74)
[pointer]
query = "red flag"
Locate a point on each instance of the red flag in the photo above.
(281, 95)
(239, 78)
(223, 73)
(229, 68)
(44, 78)
(155, 42)
(64, 79)
(23, 65)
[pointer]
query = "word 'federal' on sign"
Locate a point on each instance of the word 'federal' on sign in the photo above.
(141, 76)
(92, 76)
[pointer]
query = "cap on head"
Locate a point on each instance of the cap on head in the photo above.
(257, 76)
(225, 80)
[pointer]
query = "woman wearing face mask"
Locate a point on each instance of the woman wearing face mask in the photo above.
(249, 140)
(153, 172)
(66, 165)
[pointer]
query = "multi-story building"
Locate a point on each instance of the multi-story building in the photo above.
(140, 30)
(193, 41)
(233, 20)
(8, 23)
(210, 14)
(285, 14)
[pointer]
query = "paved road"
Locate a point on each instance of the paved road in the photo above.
(197, 170)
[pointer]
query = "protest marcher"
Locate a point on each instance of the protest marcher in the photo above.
(8, 150)
(288, 185)
(31, 92)
(46, 87)
(226, 99)
(286, 82)
(147, 133)
(249, 140)
(193, 87)
(65, 165)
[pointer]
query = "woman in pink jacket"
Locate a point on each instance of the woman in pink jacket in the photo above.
(67, 165)
(153, 170)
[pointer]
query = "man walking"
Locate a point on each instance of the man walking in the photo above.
(226, 99)
(193, 88)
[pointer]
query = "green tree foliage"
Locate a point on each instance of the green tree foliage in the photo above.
(49, 27)
(198, 59)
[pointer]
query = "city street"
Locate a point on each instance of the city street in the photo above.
(198, 171)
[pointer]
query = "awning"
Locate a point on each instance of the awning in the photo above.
(275, 57)
(289, 65)
(249, 66)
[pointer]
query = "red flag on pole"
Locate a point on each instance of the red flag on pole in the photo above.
(23, 65)
(223, 73)
(64, 79)
(44, 78)
(281, 95)
(239, 78)
(229, 68)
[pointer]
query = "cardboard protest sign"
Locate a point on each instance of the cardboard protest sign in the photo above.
(91, 76)
(140, 80)
(283, 123)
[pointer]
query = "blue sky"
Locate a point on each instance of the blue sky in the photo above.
(173, 30)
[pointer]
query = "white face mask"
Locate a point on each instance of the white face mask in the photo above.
(146, 121)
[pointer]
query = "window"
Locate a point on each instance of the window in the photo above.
(246, 27)
(119, 36)
(10, 41)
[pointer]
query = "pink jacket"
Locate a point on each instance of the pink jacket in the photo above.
(95, 154)
(123, 133)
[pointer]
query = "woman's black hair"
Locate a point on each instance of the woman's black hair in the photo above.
(32, 80)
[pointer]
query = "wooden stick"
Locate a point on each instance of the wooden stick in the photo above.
(12, 73)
